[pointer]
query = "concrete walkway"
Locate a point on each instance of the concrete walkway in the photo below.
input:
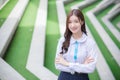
(102, 67)
(115, 51)
(106, 20)
(118, 25)
(102, 5)
(35, 62)
(3, 4)
(9, 26)
(8, 73)
(116, 7)
(6, 32)
(61, 17)
(83, 4)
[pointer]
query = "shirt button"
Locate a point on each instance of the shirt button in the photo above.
(72, 72)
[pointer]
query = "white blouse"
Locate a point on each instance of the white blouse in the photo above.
(86, 47)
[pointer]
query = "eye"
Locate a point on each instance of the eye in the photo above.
(76, 21)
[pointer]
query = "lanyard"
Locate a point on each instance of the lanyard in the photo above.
(76, 51)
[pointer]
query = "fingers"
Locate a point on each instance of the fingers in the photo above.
(89, 57)
(57, 60)
(88, 60)
(61, 60)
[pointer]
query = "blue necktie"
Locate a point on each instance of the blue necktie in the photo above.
(76, 51)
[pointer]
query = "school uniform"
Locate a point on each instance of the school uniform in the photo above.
(77, 52)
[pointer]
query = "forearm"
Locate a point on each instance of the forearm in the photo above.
(82, 68)
(63, 68)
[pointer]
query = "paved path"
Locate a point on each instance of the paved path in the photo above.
(106, 20)
(83, 4)
(6, 32)
(106, 38)
(115, 51)
(102, 67)
(116, 7)
(35, 62)
(1, 6)
(61, 16)
(8, 73)
(8, 28)
(118, 24)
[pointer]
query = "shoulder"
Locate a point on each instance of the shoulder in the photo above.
(61, 39)
(60, 42)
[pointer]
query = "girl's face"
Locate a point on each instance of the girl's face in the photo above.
(74, 24)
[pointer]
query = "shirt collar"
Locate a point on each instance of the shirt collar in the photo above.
(81, 40)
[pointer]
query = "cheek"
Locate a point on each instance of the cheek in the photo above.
(78, 26)
(69, 27)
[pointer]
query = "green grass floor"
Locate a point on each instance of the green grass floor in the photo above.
(5, 11)
(52, 36)
(99, 16)
(115, 20)
(18, 51)
(107, 55)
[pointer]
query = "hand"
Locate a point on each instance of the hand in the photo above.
(61, 60)
(88, 60)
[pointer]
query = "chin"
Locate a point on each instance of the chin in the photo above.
(74, 32)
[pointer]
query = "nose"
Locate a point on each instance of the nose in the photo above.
(72, 24)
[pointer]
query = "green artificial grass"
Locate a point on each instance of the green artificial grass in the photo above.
(5, 11)
(52, 36)
(68, 5)
(106, 53)
(92, 76)
(99, 16)
(115, 20)
(18, 51)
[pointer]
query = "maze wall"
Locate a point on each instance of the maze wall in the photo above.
(30, 29)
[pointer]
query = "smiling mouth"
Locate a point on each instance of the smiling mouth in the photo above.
(74, 29)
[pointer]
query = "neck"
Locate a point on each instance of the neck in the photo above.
(77, 35)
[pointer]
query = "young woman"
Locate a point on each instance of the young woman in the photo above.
(76, 53)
